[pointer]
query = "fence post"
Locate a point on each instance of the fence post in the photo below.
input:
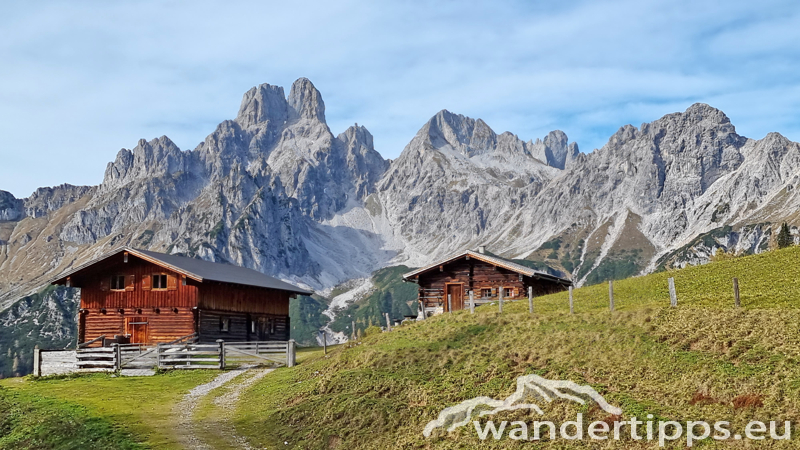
(450, 303)
(611, 295)
(673, 296)
(353, 325)
(37, 361)
(500, 299)
(324, 343)
(388, 322)
(736, 298)
(530, 299)
(290, 353)
(221, 354)
(158, 355)
(571, 302)
(117, 357)
(472, 302)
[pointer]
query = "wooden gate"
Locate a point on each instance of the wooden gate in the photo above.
(275, 352)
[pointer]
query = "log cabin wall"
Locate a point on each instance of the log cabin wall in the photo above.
(252, 313)
(153, 315)
(237, 326)
(481, 278)
(475, 275)
(162, 327)
(96, 292)
(243, 299)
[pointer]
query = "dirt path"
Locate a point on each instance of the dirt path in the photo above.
(190, 432)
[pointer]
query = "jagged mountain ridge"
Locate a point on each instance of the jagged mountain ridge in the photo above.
(275, 190)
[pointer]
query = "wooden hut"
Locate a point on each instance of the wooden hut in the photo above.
(139, 296)
(487, 276)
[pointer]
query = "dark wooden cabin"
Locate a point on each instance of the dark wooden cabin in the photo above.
(485, 275)
(138, 296)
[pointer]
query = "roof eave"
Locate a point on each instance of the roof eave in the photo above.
(61, 279)
(530, 272)
(159, 262)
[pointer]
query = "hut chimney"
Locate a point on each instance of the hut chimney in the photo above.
(482, 249)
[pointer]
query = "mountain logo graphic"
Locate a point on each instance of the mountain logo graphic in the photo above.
(529, 387)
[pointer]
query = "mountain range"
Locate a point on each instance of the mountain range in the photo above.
(275, 190)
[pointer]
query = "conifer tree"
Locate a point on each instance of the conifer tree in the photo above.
(785, 237)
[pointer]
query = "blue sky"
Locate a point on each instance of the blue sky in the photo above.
(80, 80)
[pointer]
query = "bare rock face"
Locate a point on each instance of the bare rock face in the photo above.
(275, 190)
(555, 149)
(47, 199)
(305, 102)
(11, 208)
(363, 164)
(255, 192)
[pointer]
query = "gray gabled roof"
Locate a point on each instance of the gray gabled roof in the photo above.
(494, 260)
(200, 270)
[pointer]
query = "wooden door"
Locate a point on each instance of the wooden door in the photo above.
(137, 329)
(456, 293)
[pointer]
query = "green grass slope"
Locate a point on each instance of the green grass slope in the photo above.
(29, 421)
(94, 411)
(704, 360)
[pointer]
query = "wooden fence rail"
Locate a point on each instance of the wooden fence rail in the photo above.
(185, 355)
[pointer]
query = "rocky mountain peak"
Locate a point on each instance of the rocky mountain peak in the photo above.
(364, 164)
(555, 149)
(46, 199)
(473, 138)
(10, 207)
(357, 133)
(148, 159)
(457, 131)
(702, 112)
(305, 102)
(264, 103)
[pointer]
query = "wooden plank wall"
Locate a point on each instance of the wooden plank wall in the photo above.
(96, 292)
(477, 275)
(157, 306)
(162, 327)
(59, 362)
(245, 299)
(239, 328)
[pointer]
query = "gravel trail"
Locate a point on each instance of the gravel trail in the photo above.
(188, 428)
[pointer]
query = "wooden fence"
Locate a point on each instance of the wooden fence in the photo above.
(185, 355)
(673, 297)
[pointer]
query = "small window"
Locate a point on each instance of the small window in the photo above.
(253, 326)
(118, 283)
(486, 293)
(159, 281)
(508, 292)
(224, 324)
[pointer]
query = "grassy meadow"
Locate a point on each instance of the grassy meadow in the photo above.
(94, 410)
(704, 360)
